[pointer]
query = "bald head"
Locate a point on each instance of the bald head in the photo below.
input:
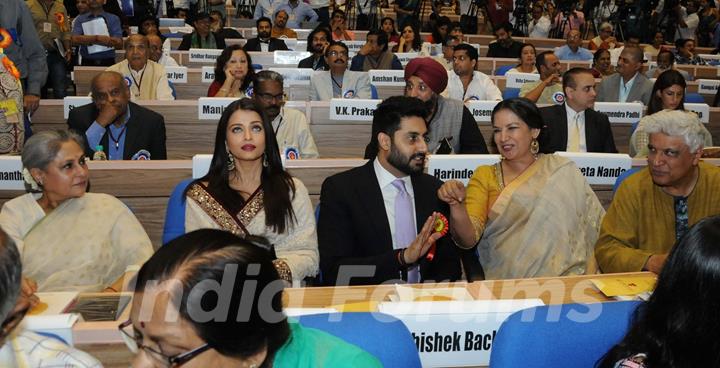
(156, 47)
(136, 51)
(110, 88)
(574, 40)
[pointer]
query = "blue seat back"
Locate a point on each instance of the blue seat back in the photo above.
(373, 92)
(568, 335)
(694, 98)
(509, 93)
(501, 70)
(175, 213)
(624, 176)
(381, 335)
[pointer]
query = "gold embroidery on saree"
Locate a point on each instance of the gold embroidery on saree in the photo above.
(215, 210)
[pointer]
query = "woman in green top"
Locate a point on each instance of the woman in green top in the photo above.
(211, 299)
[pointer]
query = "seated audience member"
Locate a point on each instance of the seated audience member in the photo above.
(628, 84)
(158, 53)
(656, 46)
(456, 31)
(668, 93)
(97, 55)
(440, 30)
(248, 193)
(234, 74)
(467, 84)
(217, 26)
(539, 25)
(511, 207)
(125, 130)
(452, 127)
(605, 40)
(253, 332)
(290, 126)
(601, 66)
(20, 347)
(338, 82)
(653, 208)
(279, 28)
(380, 215)
(504, 46)
(574, 126)
(678, 325)
(202, 37)
(338, 27)
(547, 90)
(264, 41)
(148, 79)
(70, 240)
(666, 61)
(448, 48)
(528, 57)
(686, 53)
(316, 43)
(375, 54)
(631, 40)
(410, 40)
(298, 12)
(573, 50)
(388, 26)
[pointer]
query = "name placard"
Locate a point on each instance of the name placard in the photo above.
(383, 77)
(481, 110)
(708, 86)
(211, 108)
(176, 74)
(599, 168)
(354, 109)
(204, 55)
(354, 46)
(11, 173)
(72, 102)
(461, 332)
(294, 76)
(289, 57)
(405, 57)
(703, 111)
(458, 167)
(200, 165)
(207, 74)
(516, 80)
(619, 112)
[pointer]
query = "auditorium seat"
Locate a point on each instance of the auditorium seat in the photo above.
(624, 176)
(381, 335)
(501, 70)
(509, 93)
(567, 335)
(373, 92)
(175, 213)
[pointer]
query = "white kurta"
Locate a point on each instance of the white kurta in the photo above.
(293, 132)
(481, 88)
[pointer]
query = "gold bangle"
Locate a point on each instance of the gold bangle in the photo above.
(283, 270)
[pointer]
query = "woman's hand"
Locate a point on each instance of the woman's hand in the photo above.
(452, 192)
(28, 288)
(229, 76)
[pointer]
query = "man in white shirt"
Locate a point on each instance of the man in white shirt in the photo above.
(467, 84)
(539, 25)
(448, 48)
(688, 21)
(291, 128)
(157, 52)
(266, 8)
(147, 79)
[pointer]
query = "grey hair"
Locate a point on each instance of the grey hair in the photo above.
(10, 275)
(268, 75)
(43, 146)
(677, 123)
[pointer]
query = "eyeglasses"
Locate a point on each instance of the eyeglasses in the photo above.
(266, 97)
(134, 343)
(337, 53)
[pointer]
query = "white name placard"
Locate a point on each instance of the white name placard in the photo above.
(703, 111)
(207, 74)
(458, 167)
(481, 110)
(176, 74)
(599, 168)
(384, 77)
(294, 76)
(72, 102)
(405, 57)
(354, 109)
(354, 46)
(200, 165)
(708, 86)
(516, 80)
(461, 332)
(289, 57)
(11, 173)
(204, 55)
(618, 112)
(211, 108)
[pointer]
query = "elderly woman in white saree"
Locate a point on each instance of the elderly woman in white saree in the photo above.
(70, 240)
(247, 192)
(533, 214)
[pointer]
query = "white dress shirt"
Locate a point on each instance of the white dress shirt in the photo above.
(389, 192)
(481, 88)
(539, 28)
(581, 126)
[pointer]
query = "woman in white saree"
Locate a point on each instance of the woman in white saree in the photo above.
(533, 214)
(70, 240)
(248, 192)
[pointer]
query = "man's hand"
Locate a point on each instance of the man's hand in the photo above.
(104, 40)
(68, 56)
(655, 263)
(108, 114)
(365, 50)
(554, 78)
(422, 242)
(452, 192)
(31, 103)
(28, 288)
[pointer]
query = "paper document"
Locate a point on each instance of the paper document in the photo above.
(633, 285)
(96, 27)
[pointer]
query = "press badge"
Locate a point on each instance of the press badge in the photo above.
(291, 153)
(47, 27)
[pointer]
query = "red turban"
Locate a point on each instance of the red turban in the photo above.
(430, 71)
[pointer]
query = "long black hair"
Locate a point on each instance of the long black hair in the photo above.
(665, 80)
(679, 326)
(225, 57)
(276, 183)
(417, 40)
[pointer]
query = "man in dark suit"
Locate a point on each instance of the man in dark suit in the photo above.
(263, 41)
(376, 220)
(574, 126)
(125, 130)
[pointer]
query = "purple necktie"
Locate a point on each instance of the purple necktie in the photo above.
(405, 231)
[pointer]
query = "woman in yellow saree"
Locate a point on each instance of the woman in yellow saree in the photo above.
(533, 214)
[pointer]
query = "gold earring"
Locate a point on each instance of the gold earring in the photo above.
(231, 161)
(534, 147)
